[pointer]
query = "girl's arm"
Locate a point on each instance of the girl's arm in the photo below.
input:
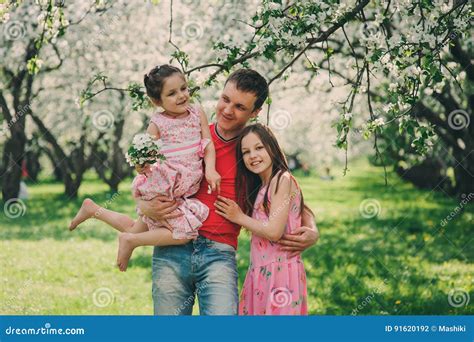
(272, 229)
(301, 238)
(155, 133)
(212, 177)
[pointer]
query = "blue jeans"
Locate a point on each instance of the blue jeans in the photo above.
(202, 268)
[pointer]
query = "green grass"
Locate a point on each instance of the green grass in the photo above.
(403, 261)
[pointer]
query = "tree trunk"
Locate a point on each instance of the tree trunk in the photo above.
(33, 165)
(57, 171)
(71, 186)
(113, 160)
(12, 159)
(71, 173)
(464, 174)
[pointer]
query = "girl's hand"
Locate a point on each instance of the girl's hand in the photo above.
(142, 169)
(228, 209)
(213, 179)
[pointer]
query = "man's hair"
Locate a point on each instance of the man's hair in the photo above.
(248, 80)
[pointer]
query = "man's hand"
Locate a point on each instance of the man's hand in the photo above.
(301, 239)
(160, 209)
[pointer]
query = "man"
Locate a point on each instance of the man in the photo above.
(207, 266)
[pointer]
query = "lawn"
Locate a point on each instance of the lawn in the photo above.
(402, 261)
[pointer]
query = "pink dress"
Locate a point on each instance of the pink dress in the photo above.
(179, 176)
(274, 284)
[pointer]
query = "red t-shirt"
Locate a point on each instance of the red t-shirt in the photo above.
(216, 227)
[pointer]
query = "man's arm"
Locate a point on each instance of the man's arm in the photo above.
(303, 237)
(159, 209)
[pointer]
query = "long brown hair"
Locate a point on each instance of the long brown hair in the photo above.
(248, 183)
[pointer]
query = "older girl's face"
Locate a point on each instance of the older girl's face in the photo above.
(255, 155)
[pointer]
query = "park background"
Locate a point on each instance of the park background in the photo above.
(371, 100)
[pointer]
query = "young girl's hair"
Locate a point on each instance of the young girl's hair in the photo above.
(249, 183)
(156, 77)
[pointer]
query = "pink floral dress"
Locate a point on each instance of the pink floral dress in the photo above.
(274, 284)
(179, 176)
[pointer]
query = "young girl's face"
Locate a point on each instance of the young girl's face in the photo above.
(175, 95)
(255, 155)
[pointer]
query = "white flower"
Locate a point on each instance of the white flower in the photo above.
(379, 122)
(144, 149)
(428, 91)
(459, 23)
(431, 40)
(392, 87)
(312, 19)
(273, 6)
(385, 59)
(324, 6)
(451, 65)
(347, 116)
(393, 41)
(388, 107)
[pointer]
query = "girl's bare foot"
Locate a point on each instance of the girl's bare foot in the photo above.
(88, 208)
(126, 247)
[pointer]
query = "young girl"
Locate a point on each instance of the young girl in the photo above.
(275, 283)
(186, 138)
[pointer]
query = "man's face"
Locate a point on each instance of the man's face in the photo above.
(235, 108)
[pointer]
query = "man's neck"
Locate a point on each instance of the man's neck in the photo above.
(228, 135)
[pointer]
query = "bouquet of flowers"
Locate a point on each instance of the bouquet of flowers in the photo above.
(144, 149)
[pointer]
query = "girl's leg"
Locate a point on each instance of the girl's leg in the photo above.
(90, 209)
(139, 235)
